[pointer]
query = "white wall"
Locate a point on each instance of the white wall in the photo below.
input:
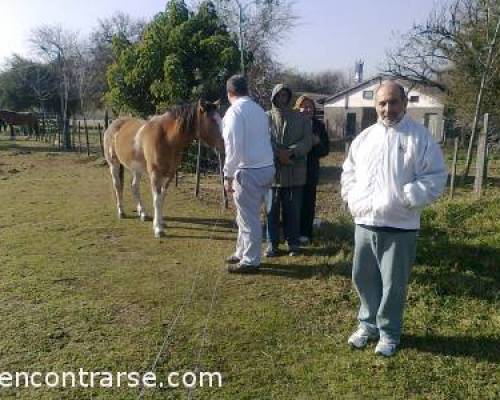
(355, 99)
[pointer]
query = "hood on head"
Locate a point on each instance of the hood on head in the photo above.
(278, 88)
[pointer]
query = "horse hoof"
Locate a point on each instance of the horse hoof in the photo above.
(144, 217)
(159, 234)
(121, 215)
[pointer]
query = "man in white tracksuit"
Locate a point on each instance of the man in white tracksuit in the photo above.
(248, 171)
(393, 170)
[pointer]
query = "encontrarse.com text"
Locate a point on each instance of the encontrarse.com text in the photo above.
(106, 379)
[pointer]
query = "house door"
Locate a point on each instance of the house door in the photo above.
(369, 117)
(350, 125)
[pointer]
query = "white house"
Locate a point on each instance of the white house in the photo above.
(349, 112)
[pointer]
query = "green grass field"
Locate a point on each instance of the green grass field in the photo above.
(81, 289)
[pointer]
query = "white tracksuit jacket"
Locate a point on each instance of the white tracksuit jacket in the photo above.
(391, 173)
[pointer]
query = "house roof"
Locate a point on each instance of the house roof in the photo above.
(353, 88)
(431, 91)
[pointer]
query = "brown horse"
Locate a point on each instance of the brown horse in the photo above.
(155, 147)
(20, 119)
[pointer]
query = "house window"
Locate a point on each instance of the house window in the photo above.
(368, 94)
(414, 99)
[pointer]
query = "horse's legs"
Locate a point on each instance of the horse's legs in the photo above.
(136, 182)
(117, 175)
(159, 185)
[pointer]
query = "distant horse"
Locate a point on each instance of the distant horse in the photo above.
(27, 119)
(155, 147)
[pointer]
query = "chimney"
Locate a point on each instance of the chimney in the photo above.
(358, 71)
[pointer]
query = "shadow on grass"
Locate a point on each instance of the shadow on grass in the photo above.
(481, 348)
(302, 271)
(218, 222)
(27, 148)
(457, 269)
(452, 269)
(330, 174)
(207, 237)
(334, 242)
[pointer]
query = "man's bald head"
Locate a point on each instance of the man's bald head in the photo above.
(390, 102)
(393, 86)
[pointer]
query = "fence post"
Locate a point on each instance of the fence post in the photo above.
(106, 119)
(454, 166)
(481, 157)
(221, 175)
(86, 128)
(44, 130)
(99, 129)
(198, 160)
(79, 137)
(73, 132)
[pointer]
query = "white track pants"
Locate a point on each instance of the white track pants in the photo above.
(250, 186)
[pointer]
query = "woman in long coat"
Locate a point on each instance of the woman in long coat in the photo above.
(320, 148)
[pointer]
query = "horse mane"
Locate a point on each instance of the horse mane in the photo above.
(186, 115)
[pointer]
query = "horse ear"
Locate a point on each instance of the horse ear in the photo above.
(216, 103)
(202, 105)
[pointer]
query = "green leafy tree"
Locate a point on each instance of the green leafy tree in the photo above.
(26, 85)
(182, 55)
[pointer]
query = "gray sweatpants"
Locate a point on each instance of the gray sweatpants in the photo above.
(250, 186)
(381, 269)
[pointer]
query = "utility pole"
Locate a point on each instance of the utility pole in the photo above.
(241, 19)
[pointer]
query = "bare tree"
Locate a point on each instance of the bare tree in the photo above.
(326, 82)
(260, 26)
(459, 42)
(58, 46)
(100, 49)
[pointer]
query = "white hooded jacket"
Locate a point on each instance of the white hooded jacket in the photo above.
(391, 173)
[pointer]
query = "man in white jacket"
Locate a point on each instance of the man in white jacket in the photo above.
(248, 171)
(393, 170)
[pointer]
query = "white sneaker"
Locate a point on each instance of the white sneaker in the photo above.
(386, 348)
(361, 337)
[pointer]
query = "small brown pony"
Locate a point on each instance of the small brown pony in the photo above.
(27, 119)
(155, 147)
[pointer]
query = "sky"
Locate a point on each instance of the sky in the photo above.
(329, 35)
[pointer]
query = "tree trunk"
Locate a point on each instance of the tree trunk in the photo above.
(479, 101)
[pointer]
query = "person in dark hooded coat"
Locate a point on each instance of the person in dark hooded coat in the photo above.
(291, 137)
